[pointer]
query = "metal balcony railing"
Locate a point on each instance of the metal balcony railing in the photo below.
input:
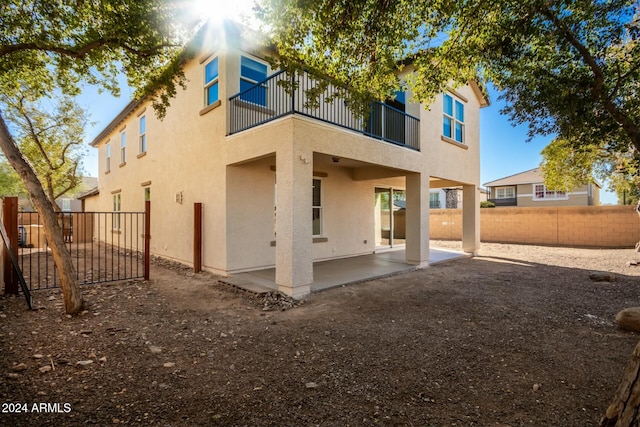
(283, 93)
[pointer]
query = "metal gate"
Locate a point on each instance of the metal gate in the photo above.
(104, 247)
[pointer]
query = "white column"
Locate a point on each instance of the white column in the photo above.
(417, 227)
(470, 219)
(294, 233)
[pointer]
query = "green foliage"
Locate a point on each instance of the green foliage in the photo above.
(487, 204)
(48, 46)
(10, 184)
(51, 136)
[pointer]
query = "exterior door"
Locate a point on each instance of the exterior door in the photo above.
(389, 217)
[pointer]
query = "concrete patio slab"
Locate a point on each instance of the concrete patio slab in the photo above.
(338, 272)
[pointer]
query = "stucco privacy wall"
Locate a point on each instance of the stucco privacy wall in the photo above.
(590, 226)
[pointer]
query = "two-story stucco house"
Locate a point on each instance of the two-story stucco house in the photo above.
(528, 189)
(283, 183)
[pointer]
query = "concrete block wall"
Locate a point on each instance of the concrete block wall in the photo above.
(589, 226)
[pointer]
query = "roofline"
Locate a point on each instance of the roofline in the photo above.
(90, 193)
(114, 123)
(488, 184)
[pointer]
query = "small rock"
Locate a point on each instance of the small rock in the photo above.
(311, 385)
(223, 335)
(169, 365)
(38, 356)
(92, 355)
(84, 362)
(629, 319)
(103, 359)
(20, 367)
(602, 276)
(154, 349)
(13, 375)
(164, 386)
(45, 368)
(536, 387)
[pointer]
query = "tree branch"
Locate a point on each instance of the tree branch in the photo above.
(82, 51)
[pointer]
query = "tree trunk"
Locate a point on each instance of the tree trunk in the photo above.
(52, 229)
(624, 409)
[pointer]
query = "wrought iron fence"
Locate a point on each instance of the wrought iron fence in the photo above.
(288, 93)
(104, 246)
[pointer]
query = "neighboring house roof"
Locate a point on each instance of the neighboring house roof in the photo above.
(532, 176)
(90, 193)
(526, 177)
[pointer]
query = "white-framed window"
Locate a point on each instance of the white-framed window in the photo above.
(434, 200)
(505, 193)
(453, 118)
(317, 207)
(143, 134)
(211, 74)
(107, 166)
(540, 192)
(123, 147)
(251, 73)
(116, 211)
(66, 204)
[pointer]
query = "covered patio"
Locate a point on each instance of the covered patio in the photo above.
(338, 272)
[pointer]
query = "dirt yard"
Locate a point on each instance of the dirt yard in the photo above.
(519, 336)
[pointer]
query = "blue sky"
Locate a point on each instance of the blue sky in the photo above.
(503, 147)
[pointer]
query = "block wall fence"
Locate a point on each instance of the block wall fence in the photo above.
(588, 226)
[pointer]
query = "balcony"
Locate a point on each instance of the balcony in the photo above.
(282, 94)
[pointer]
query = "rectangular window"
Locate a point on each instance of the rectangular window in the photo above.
(253, 72)
(453, 118)
(147, 194)
(505, 193)
(123, 148)
(108, 164)
(317, 207)
(116, 211)
(434, 200)
(143, 134)
(66, 205)
(211, 82)
(540, 192)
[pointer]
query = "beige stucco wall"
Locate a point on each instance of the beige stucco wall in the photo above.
(189, 154)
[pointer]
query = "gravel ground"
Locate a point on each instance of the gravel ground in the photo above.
(518, 336)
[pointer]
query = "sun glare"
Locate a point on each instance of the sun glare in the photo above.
(220, 10)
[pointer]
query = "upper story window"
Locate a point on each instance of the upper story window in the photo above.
(251, 73)
(540, 192)
(123, 148)
(143, 134)
(453, 118)
(505, 193)
(107, 166)
(211, 82)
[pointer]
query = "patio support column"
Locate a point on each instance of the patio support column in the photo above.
(470, 219)
(294, 232)
(417, 227)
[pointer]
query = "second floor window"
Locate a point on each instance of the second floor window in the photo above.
(108, 164)
(143, 134)
(211, 82)
(453, 118)
(251, 73)
(123, 147)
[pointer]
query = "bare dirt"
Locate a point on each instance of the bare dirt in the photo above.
(519, 336)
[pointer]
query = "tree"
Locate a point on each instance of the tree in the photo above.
(569, 69)
(49, 47)
(51, 137)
